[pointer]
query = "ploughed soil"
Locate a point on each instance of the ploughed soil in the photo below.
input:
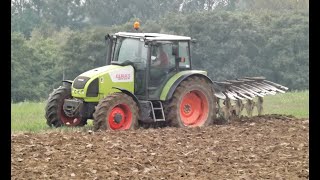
(264, 147)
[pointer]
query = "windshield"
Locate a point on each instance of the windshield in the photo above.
(128, 49)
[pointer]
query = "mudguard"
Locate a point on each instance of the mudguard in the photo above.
(129, 94)
(174, 82)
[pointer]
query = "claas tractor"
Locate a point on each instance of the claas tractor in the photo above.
(149, 79)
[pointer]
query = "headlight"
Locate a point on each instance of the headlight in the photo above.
(80, 82)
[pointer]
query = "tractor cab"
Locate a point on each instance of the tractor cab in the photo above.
(155, 58)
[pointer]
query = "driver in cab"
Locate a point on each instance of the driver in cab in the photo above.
(161, 58)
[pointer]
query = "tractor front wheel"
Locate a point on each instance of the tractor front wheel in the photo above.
(54, 109)
(117, 111)
(192, 104)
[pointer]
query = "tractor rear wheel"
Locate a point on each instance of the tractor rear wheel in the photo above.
(192, 104)
(54, 109)
(117, 111)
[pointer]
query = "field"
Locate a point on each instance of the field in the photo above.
(261, 147)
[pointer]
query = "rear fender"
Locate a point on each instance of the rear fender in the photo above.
(174, 82)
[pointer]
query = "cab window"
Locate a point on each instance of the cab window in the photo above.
(184, 55)
(130, 50)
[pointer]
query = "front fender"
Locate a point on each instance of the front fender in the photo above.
(67, 83)
(125, 91)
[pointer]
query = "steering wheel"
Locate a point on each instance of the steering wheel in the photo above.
(171, 69)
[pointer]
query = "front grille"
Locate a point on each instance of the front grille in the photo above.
(93, 88)
(80, 82)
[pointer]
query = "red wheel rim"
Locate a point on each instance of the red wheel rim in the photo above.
(194, 108)
(66, 120)
(120, 117)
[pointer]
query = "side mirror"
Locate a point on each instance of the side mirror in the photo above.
(181, 59)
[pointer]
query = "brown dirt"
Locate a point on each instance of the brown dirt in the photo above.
(266, 147)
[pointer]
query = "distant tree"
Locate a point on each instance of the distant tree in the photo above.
(55, 40)
(273, 5)
(28, 14)
(64, 13)
(23, 17)
(231, 45)
(22, 83)
(113, 12)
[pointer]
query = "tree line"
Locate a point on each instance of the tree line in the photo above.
(53, 40)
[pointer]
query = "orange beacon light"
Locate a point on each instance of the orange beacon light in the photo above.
(136, 25)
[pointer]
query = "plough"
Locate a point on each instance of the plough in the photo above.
(244, 93)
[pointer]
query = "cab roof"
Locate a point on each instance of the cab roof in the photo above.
(153, 36)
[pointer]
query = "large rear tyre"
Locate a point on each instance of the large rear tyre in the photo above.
(117, 111)
(54, 109)
(192, 104)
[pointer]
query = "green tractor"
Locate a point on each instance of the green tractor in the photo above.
(149, 80)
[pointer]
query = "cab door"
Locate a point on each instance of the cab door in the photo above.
(178, 59)
(162, 67)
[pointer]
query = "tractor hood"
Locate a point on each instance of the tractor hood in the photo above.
(94, 84)
(99, 71)
(84, 78)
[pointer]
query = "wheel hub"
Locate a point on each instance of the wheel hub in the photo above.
(187, 108)
(117, 118)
